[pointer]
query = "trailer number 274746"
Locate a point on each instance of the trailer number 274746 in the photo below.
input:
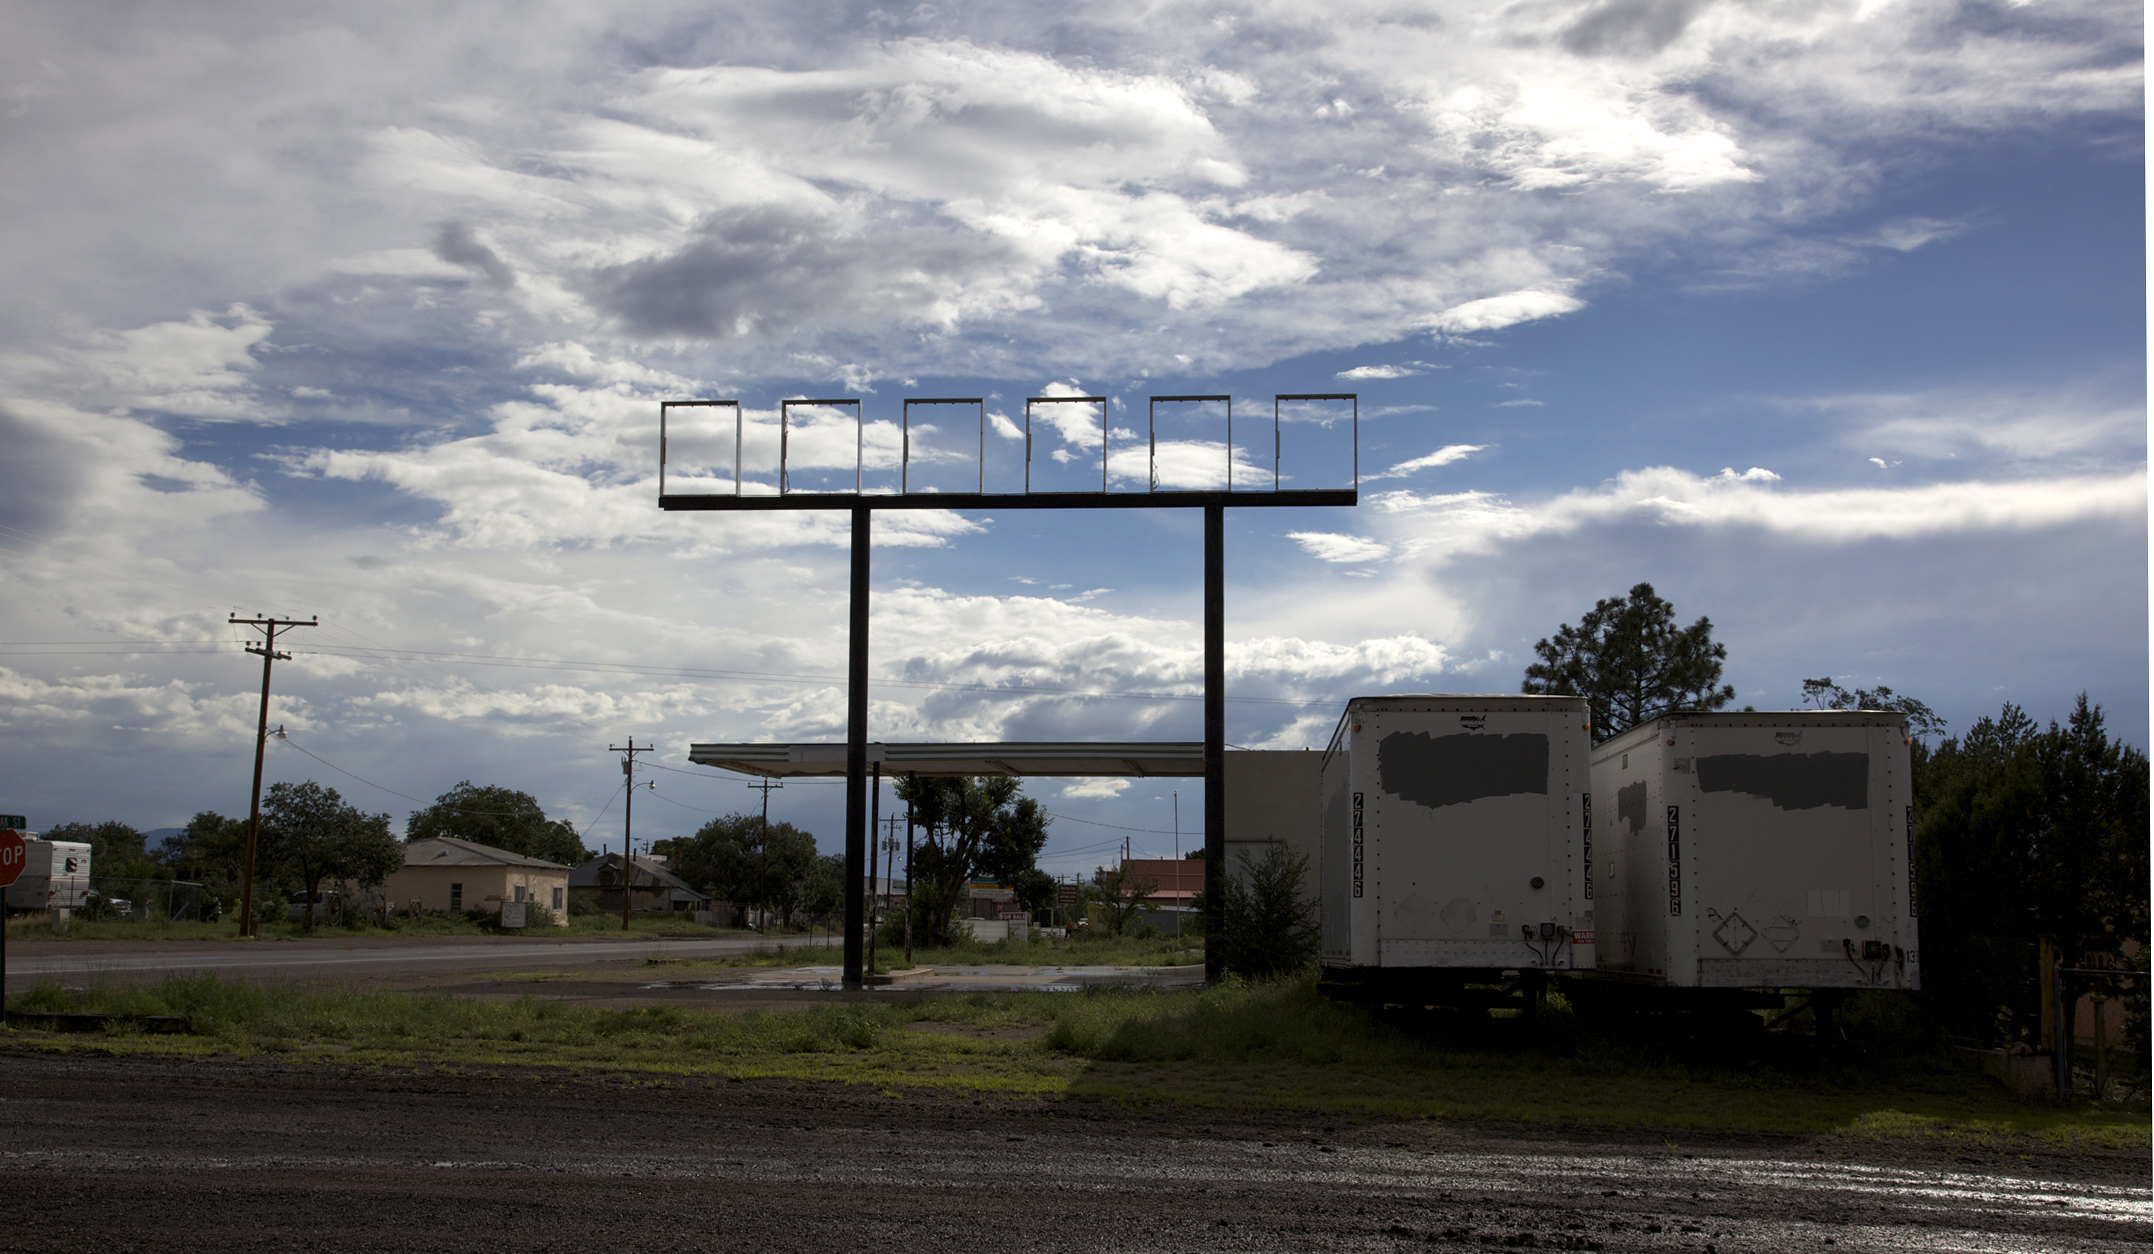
(1357, 844)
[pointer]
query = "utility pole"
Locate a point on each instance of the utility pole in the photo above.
(268, 649)
(888, 842)
(628, 821)
(1178, 866)
(762, 852)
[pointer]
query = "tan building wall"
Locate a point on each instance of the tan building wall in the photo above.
(483, 888)
(1274, 796)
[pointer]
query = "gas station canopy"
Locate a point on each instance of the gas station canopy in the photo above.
(1124, 759)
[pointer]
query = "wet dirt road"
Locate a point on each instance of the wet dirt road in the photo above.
(147, 1154)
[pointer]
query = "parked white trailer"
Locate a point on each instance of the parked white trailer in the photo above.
(1757, 851)
(1455, 842)
(55, 876)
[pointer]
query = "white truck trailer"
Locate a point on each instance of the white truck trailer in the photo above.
(55, 876)
(1757, 851)
(1457, 859)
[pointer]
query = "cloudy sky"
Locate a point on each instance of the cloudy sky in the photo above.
(1827, 318)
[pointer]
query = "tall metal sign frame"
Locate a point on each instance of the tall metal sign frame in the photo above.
(863, 503)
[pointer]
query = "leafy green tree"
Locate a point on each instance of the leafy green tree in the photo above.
(317, 837)
(1035, 889)
(1631, 661)
(211, 849)
(822, 890)
(501, 817)
(727, 859)
(2026, 832)
(1120, 893)
(1270, 927)
(974, 827)
(115, 848)
(1823, 694)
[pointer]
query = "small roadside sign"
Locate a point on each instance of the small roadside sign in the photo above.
(512, 914)
(13, 853)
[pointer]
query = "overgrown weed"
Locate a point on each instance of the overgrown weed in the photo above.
(1278, 1045)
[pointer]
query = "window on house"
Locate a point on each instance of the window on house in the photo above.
(557, 899)
(519, 892)
(456, 896)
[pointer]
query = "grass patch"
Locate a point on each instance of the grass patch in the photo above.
(1279, 1046)
(438, 923)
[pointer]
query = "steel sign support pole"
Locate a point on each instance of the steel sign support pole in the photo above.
(1213, 501)
(1215, 742)
(856, 754)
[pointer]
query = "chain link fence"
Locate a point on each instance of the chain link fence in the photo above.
(151, 901)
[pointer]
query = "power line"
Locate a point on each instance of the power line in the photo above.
(1148, 831)
(285, 738)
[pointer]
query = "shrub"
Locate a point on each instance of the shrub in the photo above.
(1271, 926)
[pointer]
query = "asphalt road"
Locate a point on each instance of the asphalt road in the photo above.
(142, 1154)
(344, 958)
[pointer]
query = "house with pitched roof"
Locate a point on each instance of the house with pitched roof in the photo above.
(652, 888)
(444, 873)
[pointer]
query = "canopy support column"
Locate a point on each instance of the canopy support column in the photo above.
(1215, 742)
(856, 756)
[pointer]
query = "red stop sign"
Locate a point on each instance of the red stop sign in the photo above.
(13, 853)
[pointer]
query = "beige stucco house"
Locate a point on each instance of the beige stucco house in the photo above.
(445, 873)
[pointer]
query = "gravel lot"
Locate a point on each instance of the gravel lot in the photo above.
(118, 1154)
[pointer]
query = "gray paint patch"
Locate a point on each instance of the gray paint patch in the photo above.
(1791, 781)
(1438, 771)
(1630, 806)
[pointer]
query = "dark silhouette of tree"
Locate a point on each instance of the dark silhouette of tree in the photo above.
(501, 817)
(213, 850)
(1823, 694)
(2024, 833)
(1628, 658)
(1035, 888)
